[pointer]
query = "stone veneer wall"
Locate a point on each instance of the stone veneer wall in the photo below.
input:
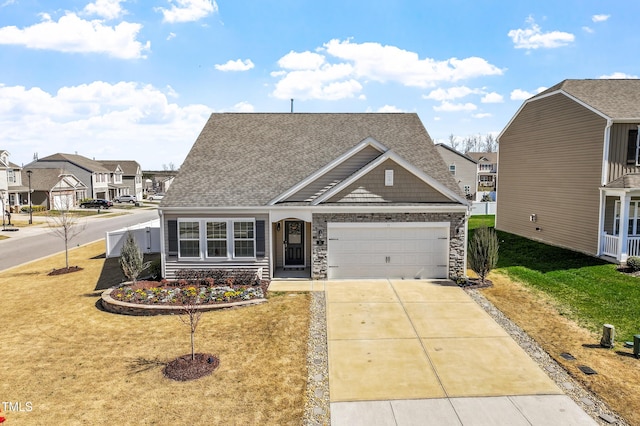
(457, 237)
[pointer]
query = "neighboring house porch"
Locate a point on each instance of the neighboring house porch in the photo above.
(620, 204)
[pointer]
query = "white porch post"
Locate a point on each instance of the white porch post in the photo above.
(601, 213)
(623, 247)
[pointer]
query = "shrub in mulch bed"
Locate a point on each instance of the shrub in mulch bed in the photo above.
(184, 368)
(474, 283)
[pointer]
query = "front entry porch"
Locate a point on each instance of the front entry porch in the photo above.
(292, 248)
(620, 223)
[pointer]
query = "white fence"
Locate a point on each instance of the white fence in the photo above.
(481, 208)
(146, 235)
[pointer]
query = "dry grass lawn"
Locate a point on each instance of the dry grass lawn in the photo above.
(79, 365)
(618, 378)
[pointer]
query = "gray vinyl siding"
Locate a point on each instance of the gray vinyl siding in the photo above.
(172, 263)
(407, 188)
(466, 171)
(336, 175)
(551, 165)
(618, 151)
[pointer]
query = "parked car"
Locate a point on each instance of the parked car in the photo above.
(98, 203)
(156, 197)
(126, 199)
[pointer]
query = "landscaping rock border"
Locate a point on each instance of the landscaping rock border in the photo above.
(137, 309)
(589, 402)
(317, 408)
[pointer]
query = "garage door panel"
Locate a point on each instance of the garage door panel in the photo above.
(398, 250)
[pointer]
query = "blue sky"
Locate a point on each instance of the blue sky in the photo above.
(137, 79)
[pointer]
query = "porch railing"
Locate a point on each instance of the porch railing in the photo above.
(610, 245)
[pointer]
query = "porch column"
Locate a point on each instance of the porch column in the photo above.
(623, 247)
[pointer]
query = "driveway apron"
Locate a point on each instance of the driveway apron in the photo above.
(423, 352)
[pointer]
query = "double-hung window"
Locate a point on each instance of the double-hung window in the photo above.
(452, 169)
(633, 227)
(189, 238)
(217, 239)
(633, 147)
(244, 241)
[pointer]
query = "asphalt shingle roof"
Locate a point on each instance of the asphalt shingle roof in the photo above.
(129, 167)
(618, 99)
(247, 159)
(79, 160)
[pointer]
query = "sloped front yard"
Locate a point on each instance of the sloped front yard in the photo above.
(77, 364)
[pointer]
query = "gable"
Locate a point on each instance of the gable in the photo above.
(372, 187)
(328, 177)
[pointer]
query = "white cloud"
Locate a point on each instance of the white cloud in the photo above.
(309, 75)
(492, 98)
(600, 18)
(451, 107)
(301, 61)
(187, 10)
(107, 9)
(237, 65)
(533, 37)
(389, 108)
(171, 36)
(74, 34)
(7, 3)
(243, 107)
(482, 115)
(520, 95)
(619, 75)
(99, 120)
(451, 93)
(588, 29)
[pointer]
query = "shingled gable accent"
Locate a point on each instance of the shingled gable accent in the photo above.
(390, 155)
(323, 179)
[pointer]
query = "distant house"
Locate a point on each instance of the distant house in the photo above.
(55, 190)
(315, 196)
(125, 178)
(487, 173)
(570, 168)
(91, 173)
(463, 168)
(12, 190)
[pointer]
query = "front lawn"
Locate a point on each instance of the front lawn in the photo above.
(588, 290)
(76, 364)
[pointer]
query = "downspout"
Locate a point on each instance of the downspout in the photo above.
(603, 181)
(162, 253)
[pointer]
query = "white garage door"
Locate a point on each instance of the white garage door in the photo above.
(62, 202)
(388, 250)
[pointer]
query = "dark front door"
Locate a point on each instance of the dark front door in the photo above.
(294, 243)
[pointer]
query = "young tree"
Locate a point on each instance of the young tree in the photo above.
(65, 224)
(190, 313)
(482, 254)
(132, 259)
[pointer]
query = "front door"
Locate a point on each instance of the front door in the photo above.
(293, 243)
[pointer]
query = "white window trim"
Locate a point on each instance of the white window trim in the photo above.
(452, 169)
(638, 146)
(180, 256)
(202, 234)
(634, 218)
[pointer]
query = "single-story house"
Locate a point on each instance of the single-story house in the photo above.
(315, 196)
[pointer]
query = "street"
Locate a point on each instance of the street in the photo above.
(38, 240)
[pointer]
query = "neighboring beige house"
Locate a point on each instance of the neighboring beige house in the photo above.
(315, 196)
(55, 189)
(125, 179)
(570, 168)
(487, 174)
(463, 168)
(12, 190)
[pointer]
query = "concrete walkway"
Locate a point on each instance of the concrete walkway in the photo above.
(423, 352)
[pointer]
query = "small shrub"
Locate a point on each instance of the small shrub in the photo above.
(155, 270)
(634, 263)
(131, 259)
(25, 209)
(483, 252)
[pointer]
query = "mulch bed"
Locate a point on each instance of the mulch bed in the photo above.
(184, 368)
(474, 283)
(63, 271)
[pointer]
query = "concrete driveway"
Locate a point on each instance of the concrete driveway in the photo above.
(423, 352)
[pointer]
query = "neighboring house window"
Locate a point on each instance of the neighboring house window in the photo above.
(632, 147)
(634, 218)
(217, 239)
(189, 239)
(452, 169)
(486, 167)
(10, 176)
(467, 189)
(244, 239)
